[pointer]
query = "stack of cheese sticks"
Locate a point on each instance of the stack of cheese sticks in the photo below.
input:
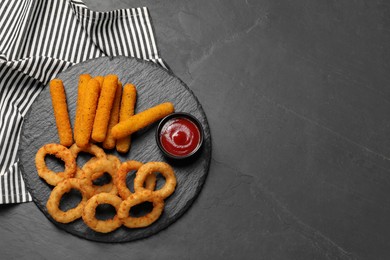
(105, 112)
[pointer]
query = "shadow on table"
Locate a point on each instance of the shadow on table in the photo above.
(5, 207)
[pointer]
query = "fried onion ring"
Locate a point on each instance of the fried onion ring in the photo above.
(91, 149)
(102, 226)
(56, 195)
(95, 168)
(120, 181)
(60, 152)
(156, 167)
(138, 198)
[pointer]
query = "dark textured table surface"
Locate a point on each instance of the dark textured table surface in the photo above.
(297, 97)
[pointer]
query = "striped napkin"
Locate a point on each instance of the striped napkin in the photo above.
(38, 39)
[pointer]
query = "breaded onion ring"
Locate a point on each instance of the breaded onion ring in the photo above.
(122, 172)
(138, 198)
(91, 149)
(156, 167)
(60, 152)
(102, 226)
(95, 168)
(56, 195)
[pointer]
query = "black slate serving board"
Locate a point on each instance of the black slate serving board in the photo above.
(154, 85)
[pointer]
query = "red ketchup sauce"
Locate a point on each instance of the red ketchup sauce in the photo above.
(179, 136)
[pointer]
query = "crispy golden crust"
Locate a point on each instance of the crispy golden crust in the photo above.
(60, 108)
(100, 79)
(91, 149)
(102, 226)
(103, 111)
(88, 112)
(60, 152)
(95, 168)
(138, 198)
(83, 80)
(141, 120)
(93, 195)
(156, 167)
(129, 98)
(122, 172)
(55, 198)
(109, 142)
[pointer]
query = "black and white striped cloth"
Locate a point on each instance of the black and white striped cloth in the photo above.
(38, 39)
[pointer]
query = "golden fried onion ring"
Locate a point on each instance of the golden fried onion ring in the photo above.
(95, 168)
(122, 172)
(138, 198)
(102, 226)
(156, 167)
(63, 187)
(91, 149)
(60, 152)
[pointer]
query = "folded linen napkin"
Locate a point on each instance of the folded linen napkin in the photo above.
(38, 39)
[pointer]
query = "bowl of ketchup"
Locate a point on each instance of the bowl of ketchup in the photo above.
(179, 135)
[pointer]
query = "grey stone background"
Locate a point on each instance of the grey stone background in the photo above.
(297, 97)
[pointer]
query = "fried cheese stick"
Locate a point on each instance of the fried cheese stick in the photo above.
(83, 80)
(100, 79)
(106, 99)
(60, 107)
(109, 142)
(88, 113)
(127, 110)
(142, 119)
